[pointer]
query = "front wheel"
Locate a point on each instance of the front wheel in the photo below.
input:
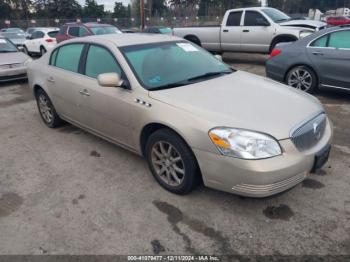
(172, 162)
(42, 51)
(302, 78)
(47, 110)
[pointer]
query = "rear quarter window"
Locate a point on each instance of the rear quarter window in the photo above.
(68, 57)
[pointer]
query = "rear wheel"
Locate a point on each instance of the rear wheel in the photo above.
(172, 162)
(47, 110)
(25, 50)
(302, 78)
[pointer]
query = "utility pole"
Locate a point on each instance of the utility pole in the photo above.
(142, 11)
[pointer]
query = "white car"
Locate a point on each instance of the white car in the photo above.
(41, 41)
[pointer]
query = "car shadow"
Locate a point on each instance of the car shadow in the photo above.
(242, 58)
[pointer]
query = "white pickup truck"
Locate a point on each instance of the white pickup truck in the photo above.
(256, 29)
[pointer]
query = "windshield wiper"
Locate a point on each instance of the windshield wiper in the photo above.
(283, 20)
(171, 85)
(209, 74)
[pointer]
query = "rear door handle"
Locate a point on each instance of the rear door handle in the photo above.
(51, 80)
(317, 53)
(84, 92)
(225, 31)
(245, 31)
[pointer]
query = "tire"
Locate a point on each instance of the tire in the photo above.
(189, 176)
(42, 51)
(193, 39)
(302, 78)
(47, 110)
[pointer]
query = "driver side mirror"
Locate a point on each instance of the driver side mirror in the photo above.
(218, 57)
(262, 22)
(110, 80)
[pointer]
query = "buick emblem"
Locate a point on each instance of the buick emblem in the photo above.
(317, 131)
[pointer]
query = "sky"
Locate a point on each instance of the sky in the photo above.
(109, 4)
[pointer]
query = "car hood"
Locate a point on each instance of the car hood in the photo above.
(244, 100)
(307, 23)
(12, 58)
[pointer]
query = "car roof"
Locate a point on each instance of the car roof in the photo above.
(89, 24)
(250, 8)
(121, 40)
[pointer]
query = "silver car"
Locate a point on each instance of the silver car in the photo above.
(13, 63)
(185, 111)
(319, 60)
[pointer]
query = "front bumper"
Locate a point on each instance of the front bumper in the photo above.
(260, 178)
(11, 74)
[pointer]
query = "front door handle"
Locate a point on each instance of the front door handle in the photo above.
(317, 53)
(225, 31)
(245, 31)
(84, 92)
(51, 80)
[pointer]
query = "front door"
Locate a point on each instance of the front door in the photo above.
(257, 33)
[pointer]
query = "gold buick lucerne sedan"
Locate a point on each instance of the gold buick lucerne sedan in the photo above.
(189, 114)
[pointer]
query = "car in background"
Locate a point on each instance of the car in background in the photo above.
(11, 30)
(158, 30)
(72, 30)
(338, 20)
(319, 60)
(13, 62)
(253, 29)
(16, 35)
(40, 41)
(188, 113)
(30, 30)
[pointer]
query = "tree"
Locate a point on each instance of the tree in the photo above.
(120, 10)
(93, 10)
(5, 10)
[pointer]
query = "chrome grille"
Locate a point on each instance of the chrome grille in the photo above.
(307, 135)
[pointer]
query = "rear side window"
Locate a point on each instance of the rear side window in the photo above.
(68, 57)
(340, 39)
(321, 42)
(109, 65)
(52, 34)
(83, 31)
(53, 57)
(73, 31)
(234, 19)
(253, 18)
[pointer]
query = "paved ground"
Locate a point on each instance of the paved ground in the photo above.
(65, 191)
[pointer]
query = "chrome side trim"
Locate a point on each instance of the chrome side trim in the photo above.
(336, 87)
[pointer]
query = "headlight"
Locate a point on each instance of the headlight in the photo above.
(244, 144)
(304, 34)
(27, 61)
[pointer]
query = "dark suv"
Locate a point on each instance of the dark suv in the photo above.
(72, 30)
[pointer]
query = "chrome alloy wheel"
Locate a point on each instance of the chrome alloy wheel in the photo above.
(168, 163)
(300, 79)
(45, 108)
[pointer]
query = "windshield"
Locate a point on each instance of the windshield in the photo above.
(165, 30)
(276, 15)
(172, 64)
(105, 30)
(7, 47)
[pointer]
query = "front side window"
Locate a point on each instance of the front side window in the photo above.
(253, 18)
(108, 63)
(172, 64)
(234, 19)
(73, 31)
(340, 39)
(68, 57)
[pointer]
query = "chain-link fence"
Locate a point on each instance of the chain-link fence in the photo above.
(122, 23)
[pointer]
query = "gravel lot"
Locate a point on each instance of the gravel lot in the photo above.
(65, 191)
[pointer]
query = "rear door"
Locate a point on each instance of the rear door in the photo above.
(257, 33)
(65, 81)
(36, 42)
(231, 32)
(330, 54)
(107, 109)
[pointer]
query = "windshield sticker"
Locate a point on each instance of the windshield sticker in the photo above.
(155, 80)
(2, 41)
(187, 47)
